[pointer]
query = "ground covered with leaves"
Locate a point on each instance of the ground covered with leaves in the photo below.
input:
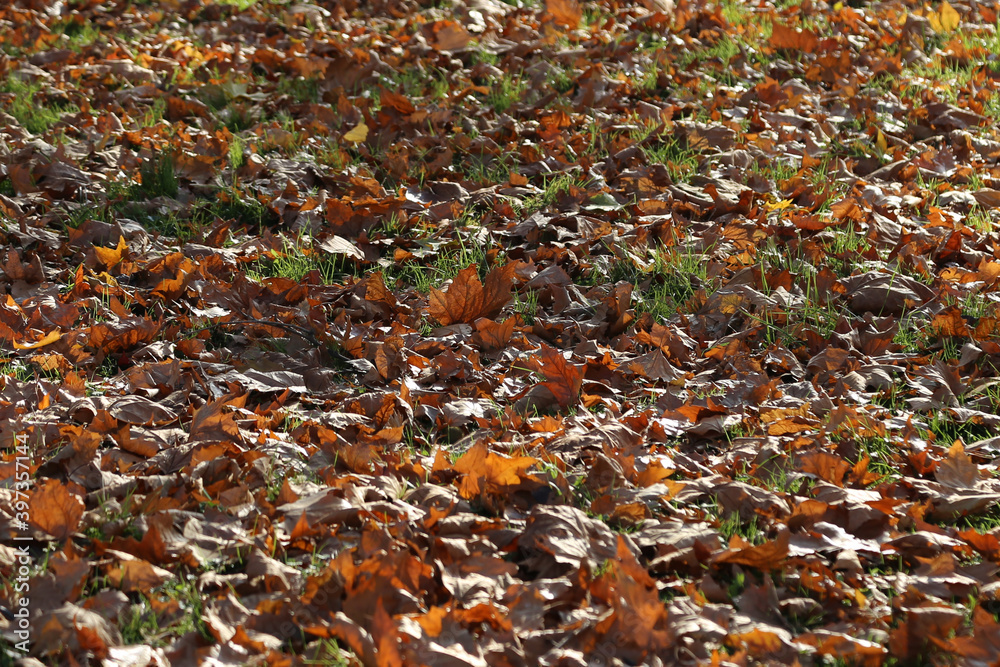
(476, 333)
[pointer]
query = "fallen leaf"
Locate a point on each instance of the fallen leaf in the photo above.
(54, 510)
(357, 134)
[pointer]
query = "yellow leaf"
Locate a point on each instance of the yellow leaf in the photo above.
(779, 205)
(949, 17)
(935, 21)
(881, 142)
(360, 133)
(49, 338)
(111, 256)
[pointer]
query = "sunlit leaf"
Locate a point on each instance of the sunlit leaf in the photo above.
(357, 134)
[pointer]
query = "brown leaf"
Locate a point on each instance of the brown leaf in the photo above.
(958, 471)
(141, 411)
(563, 379)
(493, 336)
(987, 197)
(882, 294)
(134, 574)
(109, 257)
(982, 647)
(487, 473)
(824, 465)
(54, 510)
(789, 39)
(767, 556)
(467, 299)
(212, 424)
(949, 322)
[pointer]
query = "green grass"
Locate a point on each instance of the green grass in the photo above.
(157, 178)
(27, 104)
(981, 523)
(300, 89)
(154, 114)
(450, 259)
(419, 83)
(676, 276)
(946, 431)
(296, 260)
(846, 248)
(232, 204)
(77, 33)
(17, 370)
(526, 305)
(751, 531)
(505, 92)
(882, 454)
(237, 152)
(327, 653)
(483, 169)
(661, 147)
(138, 624)
(554, 186)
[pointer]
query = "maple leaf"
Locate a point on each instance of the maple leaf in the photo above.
(563, 379)
(753, 331)
(467, 299)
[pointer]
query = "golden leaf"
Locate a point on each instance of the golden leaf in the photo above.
(358, 134)
(949, 17)
(48, 339)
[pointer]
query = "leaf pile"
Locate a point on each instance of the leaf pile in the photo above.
(513, 334)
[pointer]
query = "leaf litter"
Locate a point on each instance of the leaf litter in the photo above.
(500, 333)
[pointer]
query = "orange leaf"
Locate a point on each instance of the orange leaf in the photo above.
(135, 574)
(949, 322)
(358, 134)
(565, 12)
(767, 556)
(788, 427)
(493, 336)
(958, 471)
(111, 256)
(211, 423)
(47, 339)
(385, 634)
(462, 302)
(467, 299)
(653, 474)
(783, 37)
(54, 509)
(563, 379)
(826, 466)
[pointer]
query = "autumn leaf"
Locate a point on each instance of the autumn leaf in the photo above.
(789, 39)
(957, 470)
(767, 556)
(468, 299)
(945, 19)
(54, 510)
(563, 379)
(566, 13)
(474, 333)
(47, 339)
(212, 423)
(357, 134)
(109, 257)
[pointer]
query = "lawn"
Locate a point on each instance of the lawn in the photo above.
(506, 333)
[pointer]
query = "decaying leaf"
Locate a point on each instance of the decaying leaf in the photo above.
(466, 333)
